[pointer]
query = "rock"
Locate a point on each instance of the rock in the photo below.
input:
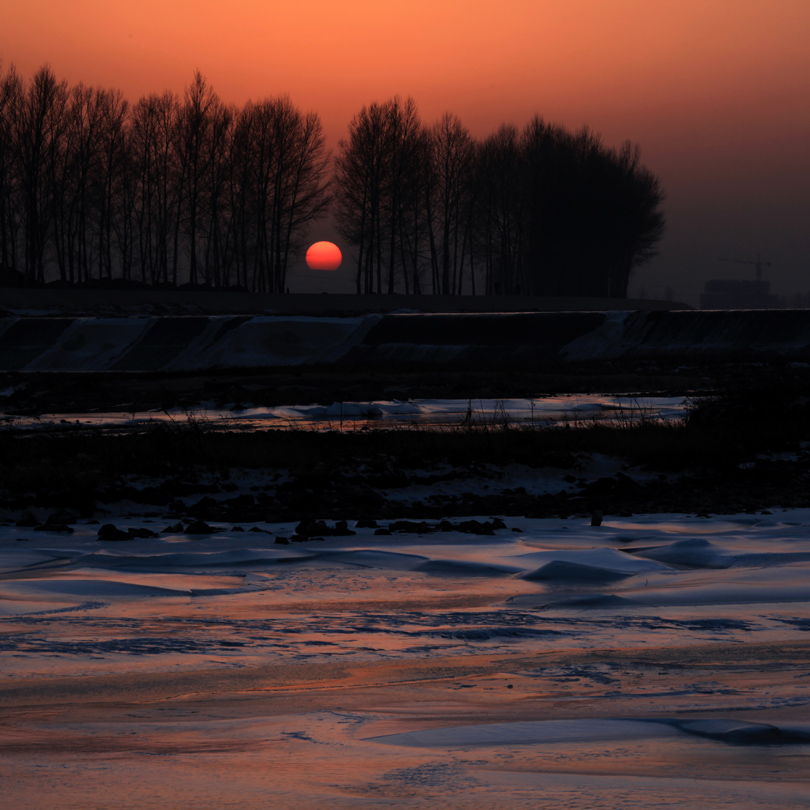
(27, 520)
(282, 541)
(59, 528)
(366, 523)
(200, 527)
(596, 517)
(110, 533)
(422, 527)
(63, 517)
(237, 529)
(382, 531)
(177, 528)
(309, 528)
(141, 532)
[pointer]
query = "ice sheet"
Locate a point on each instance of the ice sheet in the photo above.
(375, 671)
(572, 410)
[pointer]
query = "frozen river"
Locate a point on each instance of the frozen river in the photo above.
(568, 409)
(653, 661)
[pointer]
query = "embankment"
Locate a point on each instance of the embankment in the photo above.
(475, 340)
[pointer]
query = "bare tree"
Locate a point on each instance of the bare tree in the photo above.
(215, 208)
(153, 162)
(374, 177)
(10, 215)
(77, 180)
(115, 110)
(590, 213)
(359, 177)
(451, 162)
(305, 189)
(195, 123)
(279, 186)
(38, 130)
(501, 211)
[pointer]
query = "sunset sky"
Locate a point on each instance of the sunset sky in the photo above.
(716, 93)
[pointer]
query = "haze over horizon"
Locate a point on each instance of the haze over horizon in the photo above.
(716, 94)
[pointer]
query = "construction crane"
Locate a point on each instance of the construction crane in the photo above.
(758, 264)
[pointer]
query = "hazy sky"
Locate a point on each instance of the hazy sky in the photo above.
(717, 92)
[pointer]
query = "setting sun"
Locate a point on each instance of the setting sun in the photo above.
(324, 256)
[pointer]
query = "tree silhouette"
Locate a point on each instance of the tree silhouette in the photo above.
(153, 165)
(499, 170)
(10, 216)
(38, 131)
(279, 186)
(188, 189)
(590, 213)
(376, 174)
(449, 200)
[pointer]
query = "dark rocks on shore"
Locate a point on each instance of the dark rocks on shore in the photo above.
(141, 532)
(63, 517)
(27, 521)
(109, 532)
(309, 528)
(58, 528)
(201, 527)
(486, 528)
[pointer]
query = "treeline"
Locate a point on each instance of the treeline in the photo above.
(188, 190)
(541, 211)
(171, 190)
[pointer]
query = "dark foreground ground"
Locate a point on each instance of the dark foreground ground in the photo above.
(743, 448)
(32, 393)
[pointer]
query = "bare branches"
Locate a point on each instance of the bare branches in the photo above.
(188, 190)
(538, 212)
(171, 190)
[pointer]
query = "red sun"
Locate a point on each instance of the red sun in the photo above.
(324, 256)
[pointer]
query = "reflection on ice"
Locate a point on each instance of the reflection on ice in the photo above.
(562, 666)
(592, 730)
(571, 409)
(630, 568)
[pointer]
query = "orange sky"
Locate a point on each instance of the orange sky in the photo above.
(717, 92)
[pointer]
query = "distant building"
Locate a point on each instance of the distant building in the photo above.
(739, 294)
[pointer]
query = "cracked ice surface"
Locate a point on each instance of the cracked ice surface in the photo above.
(652, 661)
